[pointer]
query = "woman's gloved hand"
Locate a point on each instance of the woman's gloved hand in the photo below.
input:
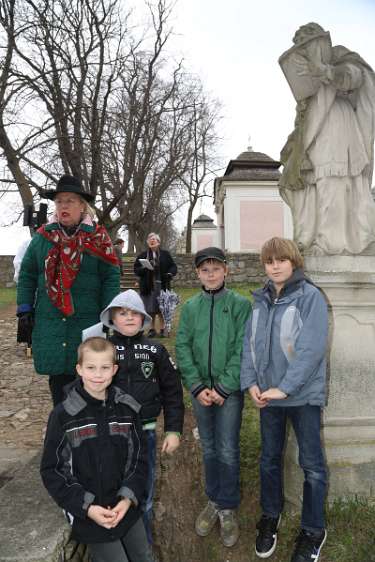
(25, 326)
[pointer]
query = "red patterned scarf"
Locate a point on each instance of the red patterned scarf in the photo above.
(63, 261)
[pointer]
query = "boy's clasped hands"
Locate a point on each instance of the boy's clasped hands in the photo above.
(207, 397)
(261, 399)
(110, 517)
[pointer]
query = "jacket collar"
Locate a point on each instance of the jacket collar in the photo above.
(123, 398)
(128, 339)
(56, 226)
(216, 293)
(77, 398)
(293, 284)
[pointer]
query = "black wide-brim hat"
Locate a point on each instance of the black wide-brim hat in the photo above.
(67, 184)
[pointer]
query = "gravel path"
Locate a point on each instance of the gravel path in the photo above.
(24, 398)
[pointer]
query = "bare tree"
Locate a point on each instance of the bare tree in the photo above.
(9, 90)
(60, 67)
(149, 142)
(82, 94)
(203, 158)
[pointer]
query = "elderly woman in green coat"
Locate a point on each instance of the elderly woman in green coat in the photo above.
(68, 275)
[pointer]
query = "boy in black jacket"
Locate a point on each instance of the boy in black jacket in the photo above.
(146, 372)
(94, 463)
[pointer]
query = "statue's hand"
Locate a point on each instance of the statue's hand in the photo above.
(318, 70)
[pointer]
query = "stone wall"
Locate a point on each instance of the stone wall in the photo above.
(243, 268)
(6, 271)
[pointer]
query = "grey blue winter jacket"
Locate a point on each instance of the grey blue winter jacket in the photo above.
(285, 342)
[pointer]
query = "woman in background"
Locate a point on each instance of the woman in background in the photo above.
(153, 280)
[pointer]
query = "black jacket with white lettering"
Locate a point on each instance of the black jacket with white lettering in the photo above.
(147, 372)
(94, 454)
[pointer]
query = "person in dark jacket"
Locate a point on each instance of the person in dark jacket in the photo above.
(68, 274)
(284, 371)
(118, 245)
(146, 372)
(94, 462)
(154, 268)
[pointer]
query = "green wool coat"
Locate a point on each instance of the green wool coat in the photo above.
(55, 336)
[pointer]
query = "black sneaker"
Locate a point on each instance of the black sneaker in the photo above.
(151, 333)
(308, 546)
(266, 540)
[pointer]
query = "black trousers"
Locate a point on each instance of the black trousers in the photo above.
(133, 547)
(56, 386)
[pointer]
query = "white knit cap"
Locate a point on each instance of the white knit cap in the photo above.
(128, 299)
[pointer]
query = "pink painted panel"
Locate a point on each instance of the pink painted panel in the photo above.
(204, 241)
(259, 221)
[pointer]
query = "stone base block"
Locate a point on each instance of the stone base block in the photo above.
(349, 419)
(350, 455)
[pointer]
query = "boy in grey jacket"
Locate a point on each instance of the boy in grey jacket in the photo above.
(284, 370)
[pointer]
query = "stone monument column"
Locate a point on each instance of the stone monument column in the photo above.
(349, 419)
(326, 181)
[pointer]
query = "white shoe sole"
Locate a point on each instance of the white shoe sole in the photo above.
(316, 559)
(272, 550)
(269, 553)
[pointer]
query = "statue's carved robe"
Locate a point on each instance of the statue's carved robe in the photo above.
(328, 161)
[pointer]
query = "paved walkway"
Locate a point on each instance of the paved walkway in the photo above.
(24, 399)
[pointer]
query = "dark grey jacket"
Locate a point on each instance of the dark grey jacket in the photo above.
(164, 270)
(95, 453)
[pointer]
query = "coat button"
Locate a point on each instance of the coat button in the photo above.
(64, 344)
(64, 319)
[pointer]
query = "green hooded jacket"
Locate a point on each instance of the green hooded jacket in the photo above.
(56, 337)
(209, 341)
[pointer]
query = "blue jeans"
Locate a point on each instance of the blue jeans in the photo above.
(150, 486)
(219, 432)
(306, 424)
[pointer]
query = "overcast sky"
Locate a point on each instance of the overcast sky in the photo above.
(234, 46)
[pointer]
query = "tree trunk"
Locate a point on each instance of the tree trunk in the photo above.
(188, 228)
(131, 239)
(14, 166)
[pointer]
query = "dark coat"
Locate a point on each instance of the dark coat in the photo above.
(94, 453)
(167, 267)
(55, 336)
(147, 372)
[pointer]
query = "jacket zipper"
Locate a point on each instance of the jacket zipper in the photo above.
(101, 430)
(210, 339)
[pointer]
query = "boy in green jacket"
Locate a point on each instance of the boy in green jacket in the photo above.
(208, 351)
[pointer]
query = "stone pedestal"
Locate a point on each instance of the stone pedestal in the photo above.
(349, 420)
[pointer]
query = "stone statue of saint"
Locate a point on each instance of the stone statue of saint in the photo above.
(328, 158)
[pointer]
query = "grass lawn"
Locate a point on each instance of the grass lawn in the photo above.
(7, 296)
(351, 523)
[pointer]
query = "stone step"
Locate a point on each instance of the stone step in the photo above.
(32, 526)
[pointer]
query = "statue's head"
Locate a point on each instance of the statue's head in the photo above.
(307, 31)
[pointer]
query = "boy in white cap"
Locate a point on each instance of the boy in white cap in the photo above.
(147, 372)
